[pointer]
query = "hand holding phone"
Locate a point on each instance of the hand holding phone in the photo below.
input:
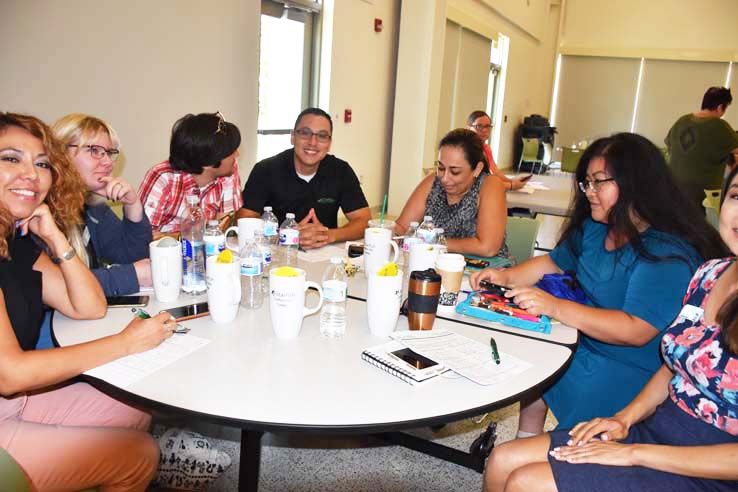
(525, 178)
(495, 289)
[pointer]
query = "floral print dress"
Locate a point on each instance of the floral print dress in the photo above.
(705, 382)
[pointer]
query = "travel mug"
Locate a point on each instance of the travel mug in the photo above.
(423, 291)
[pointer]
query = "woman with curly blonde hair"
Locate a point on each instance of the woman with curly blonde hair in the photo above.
(116, 250)
(65, 436)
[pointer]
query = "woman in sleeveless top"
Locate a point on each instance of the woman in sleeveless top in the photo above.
(64, 436)
(470, 207)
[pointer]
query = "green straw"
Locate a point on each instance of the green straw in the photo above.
(384, 209)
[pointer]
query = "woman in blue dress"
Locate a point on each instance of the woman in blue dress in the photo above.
(681, 432)
(633, 242)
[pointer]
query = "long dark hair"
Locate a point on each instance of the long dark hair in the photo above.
(727, 315)
(648, 189)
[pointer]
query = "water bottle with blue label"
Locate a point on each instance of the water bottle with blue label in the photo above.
(214, 239)
(427, 230)
(252, 294)
(271, 226)
(193, 247)
(289, 240)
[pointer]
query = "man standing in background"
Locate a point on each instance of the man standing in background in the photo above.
(702, 144)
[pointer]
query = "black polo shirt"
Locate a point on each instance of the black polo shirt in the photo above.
(275, 182)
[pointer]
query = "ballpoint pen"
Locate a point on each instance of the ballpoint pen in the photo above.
(144, 315)
(495, 353)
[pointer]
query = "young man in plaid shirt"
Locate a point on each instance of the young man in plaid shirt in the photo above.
(202, 162)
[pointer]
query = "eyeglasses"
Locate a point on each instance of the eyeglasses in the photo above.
(221, 123)
(481, 127)
(98, 151)
(593, 184)
(307, 134)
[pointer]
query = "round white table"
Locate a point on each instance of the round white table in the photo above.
(247, 378)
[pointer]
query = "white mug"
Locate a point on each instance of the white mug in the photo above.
(224, 288)
(384, 296)
(287, 302)
(423, 256)
(377, 244)
(247, 227)
(166, 268)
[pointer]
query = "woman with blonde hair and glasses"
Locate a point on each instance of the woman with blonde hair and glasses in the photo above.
(65, 436)
(480, 123)
(116, 250)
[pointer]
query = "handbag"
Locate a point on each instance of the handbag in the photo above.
(563, 285)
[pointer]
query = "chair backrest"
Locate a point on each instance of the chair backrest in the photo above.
(712, 199)
(12, 476)
(521, 237)
(570, 159)
(530, 149)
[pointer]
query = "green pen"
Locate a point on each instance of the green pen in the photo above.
(141, 313)
(179, 329)
(495, 353)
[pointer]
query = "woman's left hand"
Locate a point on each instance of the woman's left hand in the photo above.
(535, 301)
(601, 452)
(119, 190)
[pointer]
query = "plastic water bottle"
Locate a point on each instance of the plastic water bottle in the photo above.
(441, 240)
(427, 230)
(289, 240)
(262, 242)
(252, 294)
(271, 226)
(214, 239)
(193, 247)
(333, 314)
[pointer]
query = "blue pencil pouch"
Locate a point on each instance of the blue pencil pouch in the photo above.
(467, 308)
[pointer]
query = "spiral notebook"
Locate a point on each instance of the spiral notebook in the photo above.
(398, 360)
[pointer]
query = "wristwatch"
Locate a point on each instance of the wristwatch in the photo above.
(68, 255)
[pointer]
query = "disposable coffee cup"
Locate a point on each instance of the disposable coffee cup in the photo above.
(450, 267)
(422, 299)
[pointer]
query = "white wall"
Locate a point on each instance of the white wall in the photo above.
(532, 30)
(363, 65)
(703, 30)
(139, 65)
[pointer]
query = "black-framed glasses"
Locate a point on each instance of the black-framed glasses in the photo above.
(593, 184)
(221, 123)
(98, 151)
(479, 127)
(307, 134)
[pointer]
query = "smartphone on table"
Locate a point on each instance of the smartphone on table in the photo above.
(190, 311)
(127, 301)
(414, 359)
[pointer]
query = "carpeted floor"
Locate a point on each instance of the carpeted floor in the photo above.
(342, 464)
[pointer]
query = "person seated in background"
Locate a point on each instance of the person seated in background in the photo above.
(116, 250)
(480, 123)
(202, 161)
(64, 435)
(680, 432)
(310, 183)
(470, 208)
(632, 252)
(702, 144)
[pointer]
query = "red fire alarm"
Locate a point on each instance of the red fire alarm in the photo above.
(377, 25)
(347, 116)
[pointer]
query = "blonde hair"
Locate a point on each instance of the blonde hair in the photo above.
(66, 195)
(81, 129)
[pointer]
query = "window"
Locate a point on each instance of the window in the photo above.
(285, 70)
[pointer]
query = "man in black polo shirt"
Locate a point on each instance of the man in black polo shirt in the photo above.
(309, 182)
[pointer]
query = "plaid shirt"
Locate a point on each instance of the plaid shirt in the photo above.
(163, 190)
